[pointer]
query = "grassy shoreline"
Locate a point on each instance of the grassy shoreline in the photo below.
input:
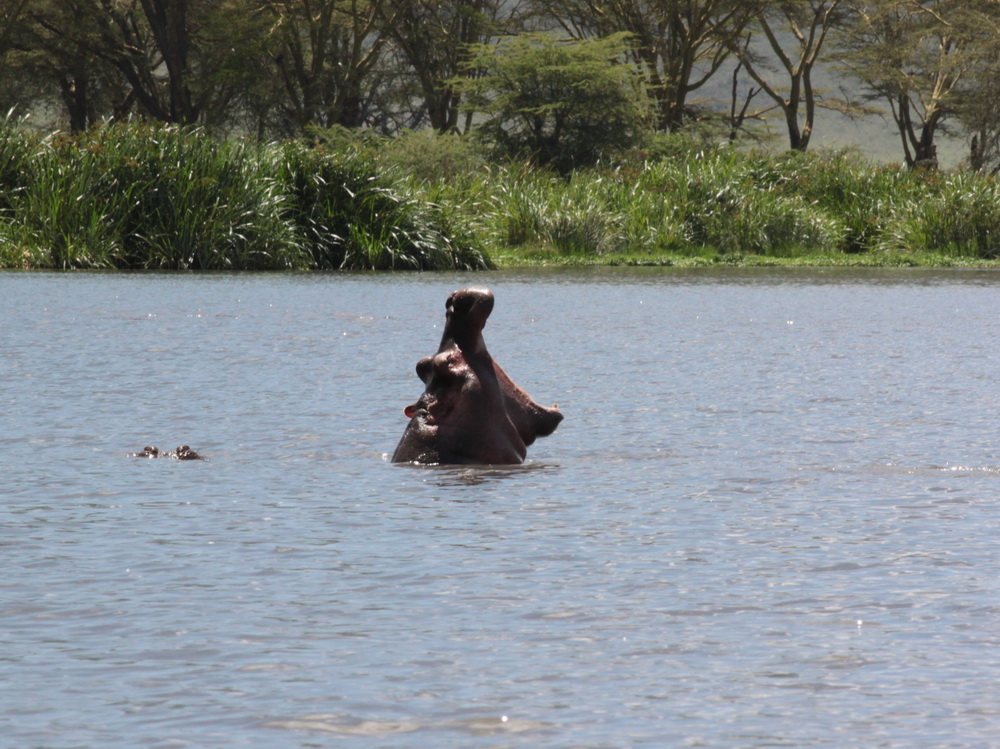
(535, 259)
(141, 196)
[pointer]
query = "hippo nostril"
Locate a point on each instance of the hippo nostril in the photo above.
(424, 368)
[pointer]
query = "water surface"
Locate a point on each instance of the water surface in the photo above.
(769, 518)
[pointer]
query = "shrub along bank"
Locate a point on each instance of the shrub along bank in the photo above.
(734, 207)
(141, 196)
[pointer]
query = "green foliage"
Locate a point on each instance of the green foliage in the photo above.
(16, 147)
(556, 102)
(352, 215)
(725, 201)
(727, 205)
(957, 216)
(861, 195)
(427, 156)
(670, 205)
(138, 196)
(155, 197)
(539, 208)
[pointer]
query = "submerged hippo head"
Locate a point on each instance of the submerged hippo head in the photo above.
(471, 411)
(181, 453)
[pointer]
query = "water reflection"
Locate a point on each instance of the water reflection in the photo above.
(762, 276)
(345, 725)
(454, 476)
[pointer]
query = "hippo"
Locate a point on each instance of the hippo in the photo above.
(181, 453)
(471, 412)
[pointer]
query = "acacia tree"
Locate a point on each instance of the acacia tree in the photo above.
(168, 25)
(678, 44)
(433, 37)
(12, 29)
(147, 52)
(795, 32)
(235, 69)
(32, 69)
(141, 38)
(979, 102)
(12, 13)
(325, 52)
(564, 103)
(915, 57)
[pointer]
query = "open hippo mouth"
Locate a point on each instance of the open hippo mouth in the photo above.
(470, 410)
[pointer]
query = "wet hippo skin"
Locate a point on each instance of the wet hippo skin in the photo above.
(471, 411)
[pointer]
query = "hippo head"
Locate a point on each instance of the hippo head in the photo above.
(470, 411)
(184, 452)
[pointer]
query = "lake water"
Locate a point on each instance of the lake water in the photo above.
(770, 517)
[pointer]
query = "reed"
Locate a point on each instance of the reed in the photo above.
(139, 196)
(16, 147)
(153, 196)
(734, 203)
(957, 215)
(861, 195)
(729, 204)
(353, 214)
(674, 205)
(145, 196)
(60, 212)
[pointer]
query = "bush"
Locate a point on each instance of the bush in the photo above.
(352, 215)
(960, 216)
(143, 196)
(138, 196)
(557, 102)
(861, 195)
(156, 196)
(430, 157)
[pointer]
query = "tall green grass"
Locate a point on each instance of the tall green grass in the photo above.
(353, 214)
(728, 204)
(956, 215)
(675, 205)
(145, 196)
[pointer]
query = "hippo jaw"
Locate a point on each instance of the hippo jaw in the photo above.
(470, 411)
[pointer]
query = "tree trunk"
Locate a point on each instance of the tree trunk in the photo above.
(74, 95)
(168, 22)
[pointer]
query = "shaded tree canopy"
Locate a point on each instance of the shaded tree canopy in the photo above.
(276, 68)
